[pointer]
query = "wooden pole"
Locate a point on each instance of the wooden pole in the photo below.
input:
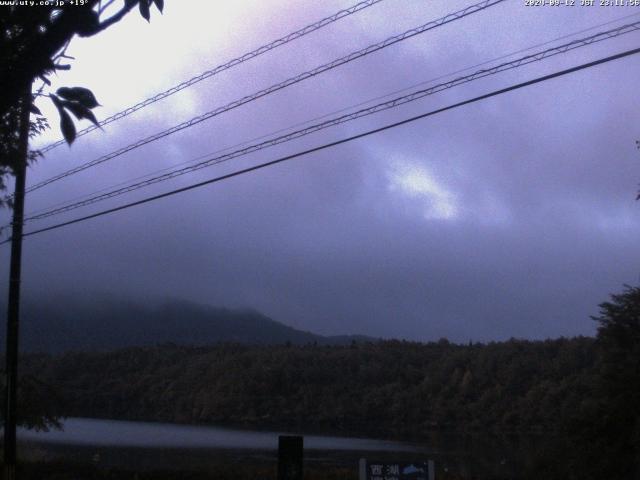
(290, 453)
(13, 311)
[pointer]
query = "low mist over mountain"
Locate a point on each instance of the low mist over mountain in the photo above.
(108, 323)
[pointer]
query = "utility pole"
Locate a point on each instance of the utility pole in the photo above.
(13, 311)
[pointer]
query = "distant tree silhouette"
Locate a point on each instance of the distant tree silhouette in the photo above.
(619, 383)
(606, 425)
(40, 403)
(638, 145)
(33, 40)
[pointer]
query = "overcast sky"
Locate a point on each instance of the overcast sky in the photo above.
(512, 217)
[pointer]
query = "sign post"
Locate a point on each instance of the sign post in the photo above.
(290, 452)
(374, 470)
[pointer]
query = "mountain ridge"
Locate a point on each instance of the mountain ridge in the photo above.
(107, 324)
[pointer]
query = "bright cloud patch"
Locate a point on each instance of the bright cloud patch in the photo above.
(416, 182)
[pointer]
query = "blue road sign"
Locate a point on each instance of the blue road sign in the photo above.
(374, 470)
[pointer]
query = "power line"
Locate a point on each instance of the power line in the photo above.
(535, 57)
(276, 87)
(496, 59)
(334, 112)
(338, 142)
(225, 66)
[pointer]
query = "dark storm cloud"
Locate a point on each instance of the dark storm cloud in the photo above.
(512, 217)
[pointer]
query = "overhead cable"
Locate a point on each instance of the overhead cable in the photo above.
(335, 143)
(274, 88)
(535, 57)
(220, 68)
(335, 112)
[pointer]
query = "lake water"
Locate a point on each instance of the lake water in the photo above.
(121, 444)
(94, 432)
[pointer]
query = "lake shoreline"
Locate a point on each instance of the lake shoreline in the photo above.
(189, 463)
(415, 435)
(109, 444)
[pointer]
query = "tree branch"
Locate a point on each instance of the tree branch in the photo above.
(116, 17)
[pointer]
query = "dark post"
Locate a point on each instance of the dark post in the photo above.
(290, 448)
(13, 311)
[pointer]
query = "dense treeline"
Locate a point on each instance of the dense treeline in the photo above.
(391, 386)
(587, 390)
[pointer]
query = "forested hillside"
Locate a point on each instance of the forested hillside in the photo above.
(391, 388)
(103, 323)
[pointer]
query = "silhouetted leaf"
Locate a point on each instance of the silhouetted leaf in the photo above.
(81, 95)
(80, 111)
(56, 101)
(35, 110)
(66, 124)
(67, 127)
(159, 4)
(62, 67)
(87, 23)
(144, 9)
